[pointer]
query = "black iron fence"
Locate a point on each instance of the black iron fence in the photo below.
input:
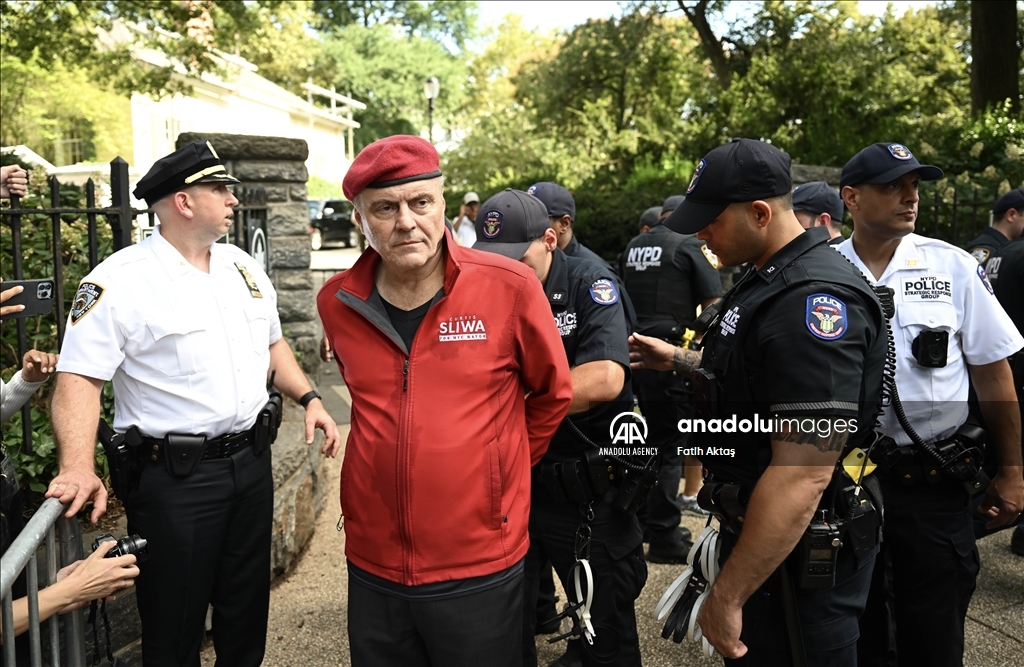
(124, 225)
(956, 215)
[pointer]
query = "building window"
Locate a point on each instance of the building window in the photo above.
(69, 149)
(172, 128)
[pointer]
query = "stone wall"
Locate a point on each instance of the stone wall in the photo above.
(277, 164)
(805, 173)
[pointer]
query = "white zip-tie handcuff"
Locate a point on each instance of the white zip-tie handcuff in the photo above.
(683, 599)
(583, 613)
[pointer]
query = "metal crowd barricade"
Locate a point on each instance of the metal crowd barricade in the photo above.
(47, 524)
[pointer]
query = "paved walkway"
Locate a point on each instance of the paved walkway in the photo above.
(308, 608)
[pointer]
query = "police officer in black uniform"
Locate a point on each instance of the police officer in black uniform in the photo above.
(817, 204)
(572, 476)
(562, 214)
(1006, 273)
(786, 417)
(670, 275)
(561, 208)
(1007, 225)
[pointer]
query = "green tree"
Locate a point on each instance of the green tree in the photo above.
(500, 144)
(35, 109)
(386, 70)
(444, 21)
(97, 35)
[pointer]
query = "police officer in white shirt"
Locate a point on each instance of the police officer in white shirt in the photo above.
(948, 328)
(188, 332)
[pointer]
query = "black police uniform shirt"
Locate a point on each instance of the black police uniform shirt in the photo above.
(803, 337)
(576, 249)
(588, 312)
(1006, 273)
(579, 251)
(987, 245)
(669, 275)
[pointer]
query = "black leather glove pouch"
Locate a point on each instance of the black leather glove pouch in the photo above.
(182, 453)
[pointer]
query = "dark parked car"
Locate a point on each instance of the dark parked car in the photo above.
(330, 221)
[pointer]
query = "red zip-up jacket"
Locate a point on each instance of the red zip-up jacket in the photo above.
(435, 484)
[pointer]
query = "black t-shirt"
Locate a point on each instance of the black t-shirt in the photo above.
(406, 322)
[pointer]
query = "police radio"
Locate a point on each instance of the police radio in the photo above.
(819, 551)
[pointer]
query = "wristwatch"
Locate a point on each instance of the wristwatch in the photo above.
(307, 397)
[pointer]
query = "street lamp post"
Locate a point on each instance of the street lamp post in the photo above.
(431, 87)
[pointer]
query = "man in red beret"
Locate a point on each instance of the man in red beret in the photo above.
(458, 382)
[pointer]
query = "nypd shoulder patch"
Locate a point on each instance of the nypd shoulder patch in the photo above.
(984, 279)
(710, 256)
(980, 254)
(603, 292)
(826, 316)
(87, 296)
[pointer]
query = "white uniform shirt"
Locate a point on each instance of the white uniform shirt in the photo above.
(939, 286)
(187, 351)
(466, 232)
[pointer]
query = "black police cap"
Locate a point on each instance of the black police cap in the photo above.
(1013, 199)
(508, 222)
(672, 203)
(885, 162)
(556, 199)
(818, 197)
(742, 170)
(195, 163)
(650, 217)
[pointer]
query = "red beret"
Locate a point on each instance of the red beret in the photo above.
(391, 161)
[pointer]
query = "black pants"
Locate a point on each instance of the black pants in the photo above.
(209, 543)
(930, 546)
(619, 570)
(665, 398)
(828, 617)
(478, 629)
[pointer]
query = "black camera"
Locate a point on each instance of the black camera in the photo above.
(929, 348)
(130, 544)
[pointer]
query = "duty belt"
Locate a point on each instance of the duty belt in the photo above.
(220, 447)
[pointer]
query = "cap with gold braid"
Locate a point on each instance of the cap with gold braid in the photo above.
(195, 163)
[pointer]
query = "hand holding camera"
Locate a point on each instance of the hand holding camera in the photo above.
(110, 568)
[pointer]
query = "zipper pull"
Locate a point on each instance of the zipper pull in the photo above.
(405, 375)
(341, 523)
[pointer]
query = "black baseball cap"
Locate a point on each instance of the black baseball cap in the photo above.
(649, 218)
(509, 222)
(885, 162)
(195, 163)
(672, 203)
(556, 198)
(1013, 199)
(742, 170)
(818, 197)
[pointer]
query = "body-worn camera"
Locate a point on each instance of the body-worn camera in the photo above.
(130, 544)
(819, 551)
(929, 348)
